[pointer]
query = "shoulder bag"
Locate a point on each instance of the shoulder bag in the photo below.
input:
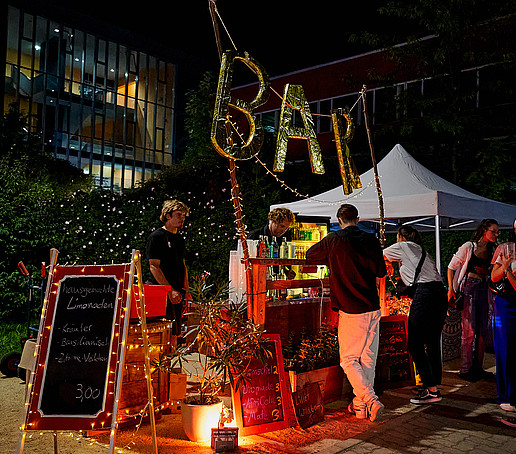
(410, 290)
(502, 288)
(457, 302)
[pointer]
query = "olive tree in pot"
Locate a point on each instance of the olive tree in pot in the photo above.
(221, 343)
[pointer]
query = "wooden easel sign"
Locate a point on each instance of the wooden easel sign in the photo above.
(80, 341)
(265, 403)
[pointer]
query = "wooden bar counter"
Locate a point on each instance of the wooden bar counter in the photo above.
(290, 314)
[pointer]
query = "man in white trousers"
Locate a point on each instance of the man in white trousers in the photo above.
(356, 264)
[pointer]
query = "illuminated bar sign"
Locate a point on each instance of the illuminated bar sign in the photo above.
(75, 379)
(265, 402)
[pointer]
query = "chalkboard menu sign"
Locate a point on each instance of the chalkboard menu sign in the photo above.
(79, 346)
(394, 365)
(309, 405)
(265, 403)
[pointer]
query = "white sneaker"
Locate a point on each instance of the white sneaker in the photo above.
(507, 407)
(360, 412)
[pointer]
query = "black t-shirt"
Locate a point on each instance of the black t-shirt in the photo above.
(169, 248)
(265, 231)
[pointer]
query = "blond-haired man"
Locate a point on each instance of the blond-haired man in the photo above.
(166, 253)
(280, 220)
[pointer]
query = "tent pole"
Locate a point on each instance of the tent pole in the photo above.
(437, 244)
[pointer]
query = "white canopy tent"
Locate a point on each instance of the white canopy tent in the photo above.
(411, 194)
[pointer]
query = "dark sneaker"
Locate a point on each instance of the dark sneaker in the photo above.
(360, 413)
(375, 409)
(485, 375)
(426, 397)
(417, 390)
(509, 421)
(469, 376)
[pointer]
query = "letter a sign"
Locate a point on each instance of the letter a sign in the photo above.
(294, 101)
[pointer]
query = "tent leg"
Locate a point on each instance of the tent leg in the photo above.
(437, 244)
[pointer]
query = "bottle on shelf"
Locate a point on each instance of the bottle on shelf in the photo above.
(283, 249)
(262, 248)
(316, 234)
(291, 250)
(274, 248)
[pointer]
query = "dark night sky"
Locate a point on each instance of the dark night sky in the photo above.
(283, 35)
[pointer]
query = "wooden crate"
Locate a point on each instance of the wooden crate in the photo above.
(331, 380)
(134, 397)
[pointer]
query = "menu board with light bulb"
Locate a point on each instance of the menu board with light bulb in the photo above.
(79, 347)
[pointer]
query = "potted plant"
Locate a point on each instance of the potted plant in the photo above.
(221, 343)
(314, 357)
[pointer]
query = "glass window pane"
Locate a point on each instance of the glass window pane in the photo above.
(13, 19)
(28, 26)
(78, 57)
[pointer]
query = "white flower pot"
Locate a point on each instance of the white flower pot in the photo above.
(198, 420)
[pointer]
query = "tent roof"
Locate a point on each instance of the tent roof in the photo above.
(409, 190)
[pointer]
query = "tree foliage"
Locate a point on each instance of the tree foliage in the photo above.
(459, 126)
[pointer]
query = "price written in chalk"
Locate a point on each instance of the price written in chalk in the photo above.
(86, 392)
(261, 398)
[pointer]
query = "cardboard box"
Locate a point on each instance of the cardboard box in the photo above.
(155, 300)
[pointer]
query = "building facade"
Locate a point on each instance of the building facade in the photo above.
(400, 95)
(104, 104)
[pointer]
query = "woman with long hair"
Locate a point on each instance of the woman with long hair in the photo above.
(427, 311)
(469, 269)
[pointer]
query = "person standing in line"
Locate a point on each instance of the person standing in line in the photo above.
(504, 328)
(356, 264)
(427, 311)
(166, 254)
(471, 265)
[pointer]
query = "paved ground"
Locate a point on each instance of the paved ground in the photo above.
(467, 420)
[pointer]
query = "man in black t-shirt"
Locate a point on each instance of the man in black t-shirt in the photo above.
(166, 254)
(280, 220)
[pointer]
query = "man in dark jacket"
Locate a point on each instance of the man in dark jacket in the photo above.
(356, 263)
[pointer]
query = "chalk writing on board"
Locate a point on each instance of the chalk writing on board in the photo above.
(77, 365)
(308, 404)
(394, 364)
(261, 397)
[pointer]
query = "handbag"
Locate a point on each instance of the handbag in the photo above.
(502, 288)
(498, 287)
(410, 290)
(457, 303)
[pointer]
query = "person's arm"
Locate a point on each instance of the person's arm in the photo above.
(391, 254)
(502, 267)
(451, 293)
(186, 285)
(174, 296)
(457, 261)
(317, 254)
(389, 266)
(511, 278)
